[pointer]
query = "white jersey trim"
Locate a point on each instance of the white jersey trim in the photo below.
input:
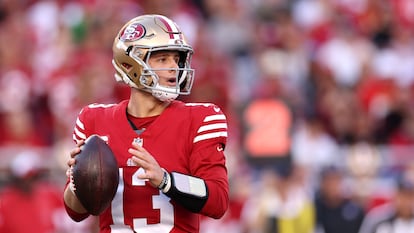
(212, 126)
(79, 134)
(215, 117)
(209, 136)
(80, 124)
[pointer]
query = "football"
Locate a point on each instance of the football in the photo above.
(95, 175)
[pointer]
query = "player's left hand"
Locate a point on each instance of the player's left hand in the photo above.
(142, 158)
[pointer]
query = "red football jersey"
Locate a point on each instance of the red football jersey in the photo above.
(187, 138)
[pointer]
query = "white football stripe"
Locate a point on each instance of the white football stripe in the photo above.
(209, 136)
(212, 126)
(215, 117)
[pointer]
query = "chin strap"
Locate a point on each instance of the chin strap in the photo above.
(163, 93)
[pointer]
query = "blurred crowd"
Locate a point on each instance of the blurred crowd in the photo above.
(319, 96)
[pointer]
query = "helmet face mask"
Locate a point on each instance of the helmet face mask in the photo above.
(133, 46)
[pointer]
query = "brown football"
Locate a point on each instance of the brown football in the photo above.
(95, 175)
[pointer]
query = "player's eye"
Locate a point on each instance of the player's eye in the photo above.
(161, 59)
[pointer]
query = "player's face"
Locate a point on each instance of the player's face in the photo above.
(165, 60)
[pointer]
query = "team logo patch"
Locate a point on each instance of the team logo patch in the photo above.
(139, 141)
(134, 31)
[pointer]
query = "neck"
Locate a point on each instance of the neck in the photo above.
(143, 104)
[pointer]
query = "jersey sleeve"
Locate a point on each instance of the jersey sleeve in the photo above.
(84, 123)
(208, 158)
(80, 132)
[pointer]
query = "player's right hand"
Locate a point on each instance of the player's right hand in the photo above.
(69, 195)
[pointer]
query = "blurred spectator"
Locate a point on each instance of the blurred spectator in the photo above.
(336, 211)
(312, 149)
(16, 119)
(30, 203)
(397, 216)
(354, 49)
(232, 222)
(363, 164)
(348, 64)
(280, 205)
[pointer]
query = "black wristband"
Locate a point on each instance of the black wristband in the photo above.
(164, 181)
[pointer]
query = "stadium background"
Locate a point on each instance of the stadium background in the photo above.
(305, 84)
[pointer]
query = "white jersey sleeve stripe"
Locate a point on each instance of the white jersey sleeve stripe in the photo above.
(80, 124)
(212, 126)
(79, 134)
(215, 117)
(210, 135)
(74, 138)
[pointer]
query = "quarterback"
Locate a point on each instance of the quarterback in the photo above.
(170, 154)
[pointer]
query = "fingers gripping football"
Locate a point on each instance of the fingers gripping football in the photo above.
(75, 151)
(69, 172)
(94, 175)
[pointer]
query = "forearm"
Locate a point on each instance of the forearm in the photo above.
(209, 198)
(73, 206)
(218, 201)
(208, 163)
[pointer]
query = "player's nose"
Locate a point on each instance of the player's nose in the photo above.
(173, 65)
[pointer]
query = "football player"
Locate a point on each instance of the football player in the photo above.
(170, 153)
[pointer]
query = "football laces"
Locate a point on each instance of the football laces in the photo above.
(69, 173)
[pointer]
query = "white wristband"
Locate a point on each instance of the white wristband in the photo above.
(189, 184)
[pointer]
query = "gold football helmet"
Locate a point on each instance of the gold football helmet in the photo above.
(133, 46)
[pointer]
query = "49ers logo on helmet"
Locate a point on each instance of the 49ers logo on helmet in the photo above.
(133, 32)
